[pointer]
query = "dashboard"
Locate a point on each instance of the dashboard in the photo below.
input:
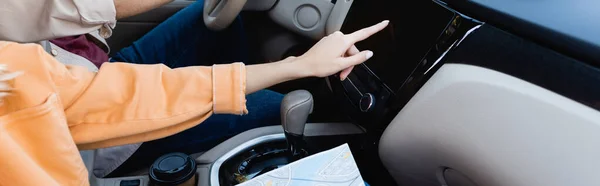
(404, 42)
(506, 36)
(417, 43)
(569, 27)
(413, 40)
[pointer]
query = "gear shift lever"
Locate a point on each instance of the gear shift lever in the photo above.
(295, 108)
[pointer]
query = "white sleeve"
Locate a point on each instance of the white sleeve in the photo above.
(36, 20)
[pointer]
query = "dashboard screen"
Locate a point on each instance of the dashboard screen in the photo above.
(414, 27)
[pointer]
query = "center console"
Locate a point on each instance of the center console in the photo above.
(261, 154)
(420, 32)
(258, 151)
(245, 155)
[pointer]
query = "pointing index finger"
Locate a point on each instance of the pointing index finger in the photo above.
(365, 33)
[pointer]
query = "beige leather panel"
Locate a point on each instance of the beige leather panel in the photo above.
(495, 129)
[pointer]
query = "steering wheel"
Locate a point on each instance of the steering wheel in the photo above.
(219, 14)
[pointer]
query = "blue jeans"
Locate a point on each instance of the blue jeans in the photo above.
(183, 40)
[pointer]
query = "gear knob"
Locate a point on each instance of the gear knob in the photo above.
(295, 108)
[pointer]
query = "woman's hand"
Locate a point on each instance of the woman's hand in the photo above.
(332, 54)
(337, 52)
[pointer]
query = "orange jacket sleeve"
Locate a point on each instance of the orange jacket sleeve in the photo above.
(53, 109)
(123, 103)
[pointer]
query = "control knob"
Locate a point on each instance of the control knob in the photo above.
(366, 102)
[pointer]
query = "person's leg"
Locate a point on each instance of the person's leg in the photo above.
(183, 40)
(263, 110)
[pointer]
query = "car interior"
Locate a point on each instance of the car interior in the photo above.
(458, 93)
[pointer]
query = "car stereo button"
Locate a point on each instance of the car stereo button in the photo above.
(366, 102)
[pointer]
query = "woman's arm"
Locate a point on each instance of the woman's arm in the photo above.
(152, 101)
(126, 103)
(122, 103)
(330, 55)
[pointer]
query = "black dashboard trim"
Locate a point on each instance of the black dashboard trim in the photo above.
(434, 59)
(554, 35)
(390, 100)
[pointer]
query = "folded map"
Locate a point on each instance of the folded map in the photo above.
(334, 167)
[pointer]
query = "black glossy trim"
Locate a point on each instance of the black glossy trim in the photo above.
(388, 100)
(585, 48)
(460, 29)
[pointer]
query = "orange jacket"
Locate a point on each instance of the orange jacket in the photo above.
(54, 110)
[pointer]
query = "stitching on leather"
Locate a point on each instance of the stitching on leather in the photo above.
(241, 90)
(293, 107)
(214, 82)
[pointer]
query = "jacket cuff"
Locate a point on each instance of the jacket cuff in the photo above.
(229, 89)
(98, 12)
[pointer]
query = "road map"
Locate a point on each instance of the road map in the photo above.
(335, 167)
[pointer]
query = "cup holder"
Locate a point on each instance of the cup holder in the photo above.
(253, 162)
